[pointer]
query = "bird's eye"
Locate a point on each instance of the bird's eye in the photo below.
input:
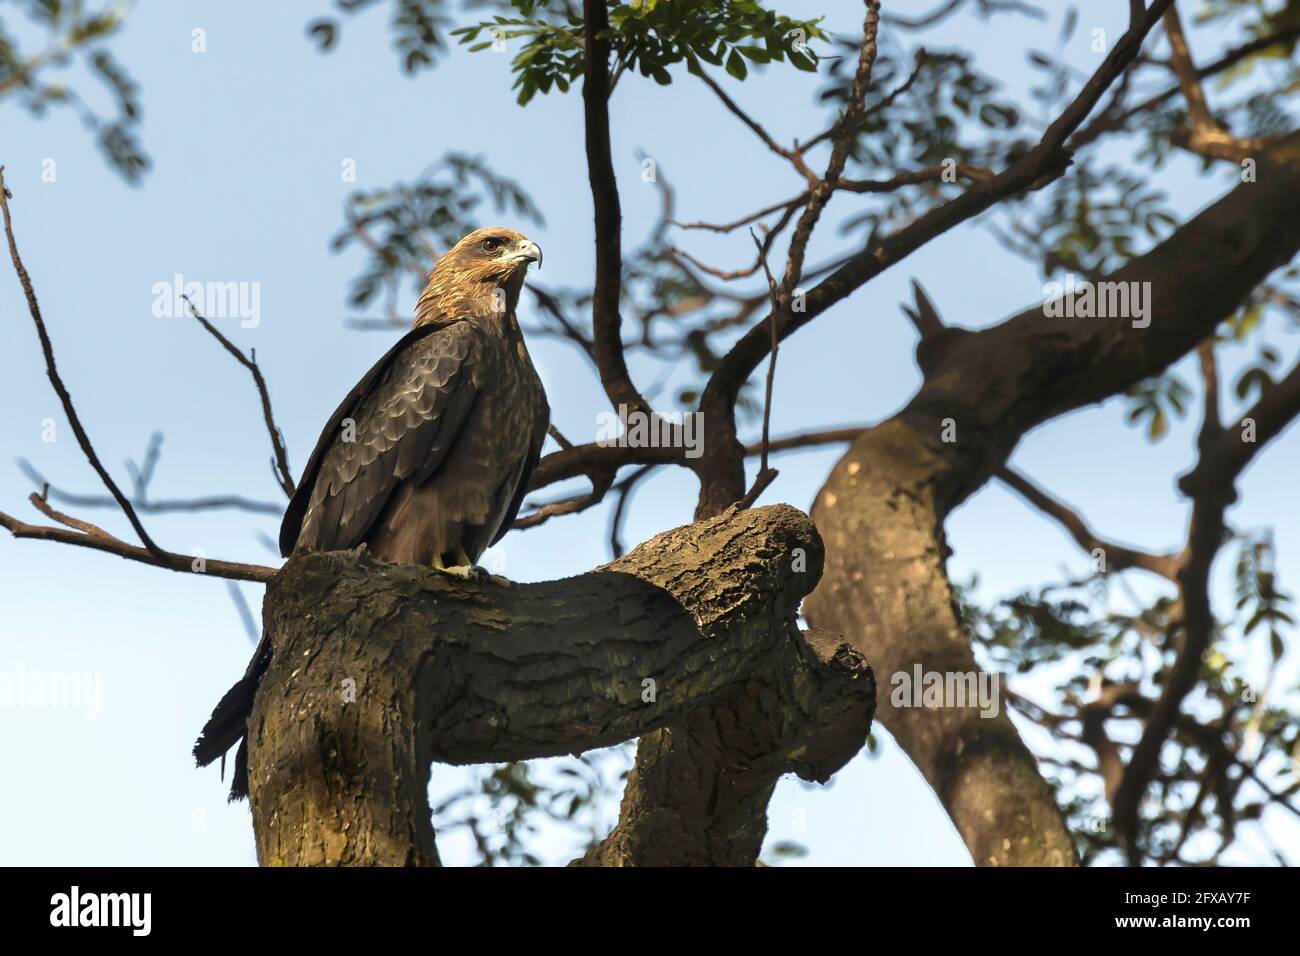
(491, 245)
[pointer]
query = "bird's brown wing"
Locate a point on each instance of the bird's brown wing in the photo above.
(407, 412)
(541, 422)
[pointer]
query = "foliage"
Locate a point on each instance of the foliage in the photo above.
(1232, 755)
(417, 27)
(648, 36)
(74, 36)
(505, 809)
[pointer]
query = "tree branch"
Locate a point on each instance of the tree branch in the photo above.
(51, 370)
(1048, 158)
(883, 507)
(146, 505)
(280, 463)
(607, 292)
(1118, 557)
(1210, 484)
(366, 681)
(86, 535)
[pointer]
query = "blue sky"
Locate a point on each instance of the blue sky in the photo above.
(247, 141)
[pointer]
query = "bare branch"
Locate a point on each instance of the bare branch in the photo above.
(841, 126)
(1113, 119)
(832, 436)
(1210, 484)
(1118, 557)
(280, 464)
(915, 177)
(1046, 159)
(624, 491)
(85, 535)
(60, 389)
(1181, 61)
(745, 220)
(765, 475)
(600, 484)
(146, 505)
(791, 155)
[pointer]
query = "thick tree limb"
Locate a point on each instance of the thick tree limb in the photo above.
(370, 679)
(883, 507)
(715, 814)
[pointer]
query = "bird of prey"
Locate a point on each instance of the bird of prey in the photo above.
(427, 459)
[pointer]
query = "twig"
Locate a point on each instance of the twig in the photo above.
(146, 505)
(1049, 157)
(763, 469)
(98, 540)
(600, 484)
(245, 612)
(791, 155)
(80, 533)
(1117, 556)
(280, 464)
(52, 371)
(840, 127)
(559, 438)
(832, 436)
(624, 491)
(1109, 120)
(1210, 485)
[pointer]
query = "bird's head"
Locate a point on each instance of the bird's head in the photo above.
(485, 270)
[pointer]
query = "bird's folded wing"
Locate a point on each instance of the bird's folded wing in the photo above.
(541, 421)
(395, 426)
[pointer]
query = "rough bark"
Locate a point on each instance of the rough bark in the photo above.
(882, 509)
(380, 669)
(712, 809)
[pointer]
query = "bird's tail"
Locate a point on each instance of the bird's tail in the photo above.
(229, 722)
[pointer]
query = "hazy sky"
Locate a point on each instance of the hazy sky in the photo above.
(247, 141)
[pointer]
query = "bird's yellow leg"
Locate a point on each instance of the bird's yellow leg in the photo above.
(463, 568)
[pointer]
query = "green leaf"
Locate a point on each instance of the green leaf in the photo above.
(801, 62)
(736, 66)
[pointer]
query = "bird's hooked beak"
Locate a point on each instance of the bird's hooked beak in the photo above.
(530, 251)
